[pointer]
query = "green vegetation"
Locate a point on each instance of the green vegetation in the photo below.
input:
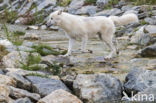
(31, 60)
(90, 2)
(45, 50)
(63, 2)
(39, 75)
(3, 52)
(143, 2)
(14, 36)
(143, 22)
(55, 69)
(8, 16)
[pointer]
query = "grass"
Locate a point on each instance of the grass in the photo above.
(3, 52)
(63, 2)
(45, 50)
(143, 2)
(14, 36)
(143, 22)
(8, 16)
(38, 75)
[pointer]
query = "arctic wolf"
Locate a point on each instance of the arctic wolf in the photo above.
(83, 27)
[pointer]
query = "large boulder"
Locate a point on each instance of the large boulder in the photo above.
(138, 80)
(98, 88)
(60, 96)
(45, 86)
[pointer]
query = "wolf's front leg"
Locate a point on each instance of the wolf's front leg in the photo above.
(71, 42)
(84, 44)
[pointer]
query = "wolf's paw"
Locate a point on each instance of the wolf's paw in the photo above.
(66, 55)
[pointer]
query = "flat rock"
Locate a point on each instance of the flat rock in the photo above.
(60, 96)
(45, 86)
(98, 88)
(20, 93)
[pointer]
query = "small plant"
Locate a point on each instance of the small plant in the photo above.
(13, 36)
(143, 22)
(90, 2)
(45, 50)
(56, 69)
(31, 59)
(63, 2)
(3, 52)
(143, 2)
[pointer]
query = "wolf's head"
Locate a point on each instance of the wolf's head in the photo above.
(54, 18)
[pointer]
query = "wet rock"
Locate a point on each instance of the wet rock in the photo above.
(62, 97)
(21, 81)
(4, 94)
(30, 36)
(102, 3)
(20, 93)
(50, 59)
(45, 86)
(23, 100)
(138, 80)
(97, 88)
(149, 51)
(6, 80)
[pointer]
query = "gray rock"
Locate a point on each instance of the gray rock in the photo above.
(21, 81)
(151, 29)
(29, 36)
(2, 72)
(23, 100)
(98, 88)
(45, 86)
(24, 48)
(102, 3)
(149, 51)
(50, 59)
(126, 8)
(28, 43)
(151, 21)
(86, 10)
(20, 93)
(114, 11)
(138, 80)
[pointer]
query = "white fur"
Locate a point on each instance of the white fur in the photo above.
(124, 19)
(80, 27)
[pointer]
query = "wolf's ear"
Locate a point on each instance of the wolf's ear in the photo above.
(60, 12)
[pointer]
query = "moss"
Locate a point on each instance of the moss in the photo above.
(45, 50)
(55, 69)
(63, 2)
(143, 2)
(1, 1)
(18, 33)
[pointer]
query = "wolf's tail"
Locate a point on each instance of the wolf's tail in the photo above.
(124, 19)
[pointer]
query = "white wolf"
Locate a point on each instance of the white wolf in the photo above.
(84, 27)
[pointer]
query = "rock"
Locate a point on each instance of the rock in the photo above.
(77, 4)
(15, 58)
(45, 86)
(43, 27)
(102, 3)
(23, 72)
(20, 93)
(2, 72)
(126, 8)
(29, 36)
(62, 97)
(24, 48)
(151, 21)
(151, 29)
(23, 100)
(32, 28)
(6, 80)
(21, 81)
(50, 59)
(149, 51)
(114, 11)
(138, 80)
(98, 88)
(86, 10)
(5, 43)
(28, 44)
(24, 20)
(4, 94)
(143, 37)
